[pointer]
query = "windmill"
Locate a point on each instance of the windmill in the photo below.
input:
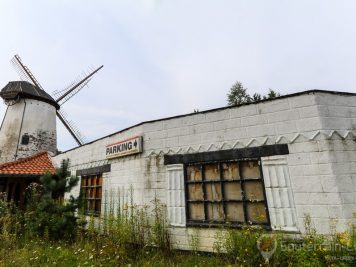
(60, 96)
(29, 123)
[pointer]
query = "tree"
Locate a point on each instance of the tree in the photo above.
(256, 97)
(271, 94)
(47, 213)
(238, 95)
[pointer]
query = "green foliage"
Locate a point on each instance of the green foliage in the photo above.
(238, 95)
(47, 214)
(128, 234)
(240, 245)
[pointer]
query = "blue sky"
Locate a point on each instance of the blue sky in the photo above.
(169, 57)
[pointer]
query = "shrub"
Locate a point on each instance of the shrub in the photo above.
(47, 213)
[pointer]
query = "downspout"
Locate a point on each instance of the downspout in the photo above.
(18, 141)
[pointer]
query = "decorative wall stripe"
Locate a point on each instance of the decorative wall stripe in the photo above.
(257, 142)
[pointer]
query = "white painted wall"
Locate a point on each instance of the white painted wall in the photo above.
(37, 119)
(319, 129)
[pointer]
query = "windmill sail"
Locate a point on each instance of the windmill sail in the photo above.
(71, 127)
(25, 72)
(65, 95)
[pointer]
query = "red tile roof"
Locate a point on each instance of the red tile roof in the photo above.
(38, 164)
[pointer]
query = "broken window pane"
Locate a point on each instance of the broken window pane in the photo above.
(250, 170)
(231, 171)
(215, 212)
(254, 190)
(256, 212)
(219, 195)
(195, 192)
(213, 191)
(196, 211)
(194, 173)
(232, 191)
(212, 172)
(235, 212)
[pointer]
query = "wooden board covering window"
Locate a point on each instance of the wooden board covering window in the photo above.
(226, 192)
(91, 190)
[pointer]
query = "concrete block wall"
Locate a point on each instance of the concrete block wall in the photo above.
(302, 121)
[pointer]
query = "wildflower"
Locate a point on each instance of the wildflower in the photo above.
(344, 239)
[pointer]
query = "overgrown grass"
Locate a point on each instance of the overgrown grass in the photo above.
(130, 235)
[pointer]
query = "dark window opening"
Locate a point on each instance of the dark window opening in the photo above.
(25, 139)
(91, 192)
(226, 193)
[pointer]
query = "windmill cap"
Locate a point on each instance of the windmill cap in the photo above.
(23, 89)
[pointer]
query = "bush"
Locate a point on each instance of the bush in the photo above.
(47, 214)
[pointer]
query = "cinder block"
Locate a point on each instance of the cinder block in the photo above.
(309, 124)
(202, 128)
(172, 142)
(235, 134)
(335, 211)
(189, 140)
(287, 115)
(217, 115)
(261, 130)
(243, 111)
(309, 112)
(220, 125)
(254, 120)
(234, 123)
(304, 147)
(285, 127)
(336, 123)
(348, 198)
(320, 211)
(299, 159)
(307, 184)
(344, 183)
(273, 106)
(301, 198)
(302, 101)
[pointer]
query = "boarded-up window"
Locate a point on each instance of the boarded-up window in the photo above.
(91, 191)
(226, 192)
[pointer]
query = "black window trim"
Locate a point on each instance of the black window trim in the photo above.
(206, 223)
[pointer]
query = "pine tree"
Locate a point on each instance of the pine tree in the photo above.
(271, 94)
(238, 95)
(51, 215)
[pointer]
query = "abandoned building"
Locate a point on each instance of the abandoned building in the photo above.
(267, 163)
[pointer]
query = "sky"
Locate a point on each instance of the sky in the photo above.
(168, 57)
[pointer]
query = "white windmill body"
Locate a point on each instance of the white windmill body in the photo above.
(29, 125)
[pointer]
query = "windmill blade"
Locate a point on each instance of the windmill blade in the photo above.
(58, 94)
(65, 95)
(71, 127)
(24, 71)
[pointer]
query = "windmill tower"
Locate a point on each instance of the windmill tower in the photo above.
(29, 125)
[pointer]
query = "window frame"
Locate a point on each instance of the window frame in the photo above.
(86, 200)
(210, 223)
